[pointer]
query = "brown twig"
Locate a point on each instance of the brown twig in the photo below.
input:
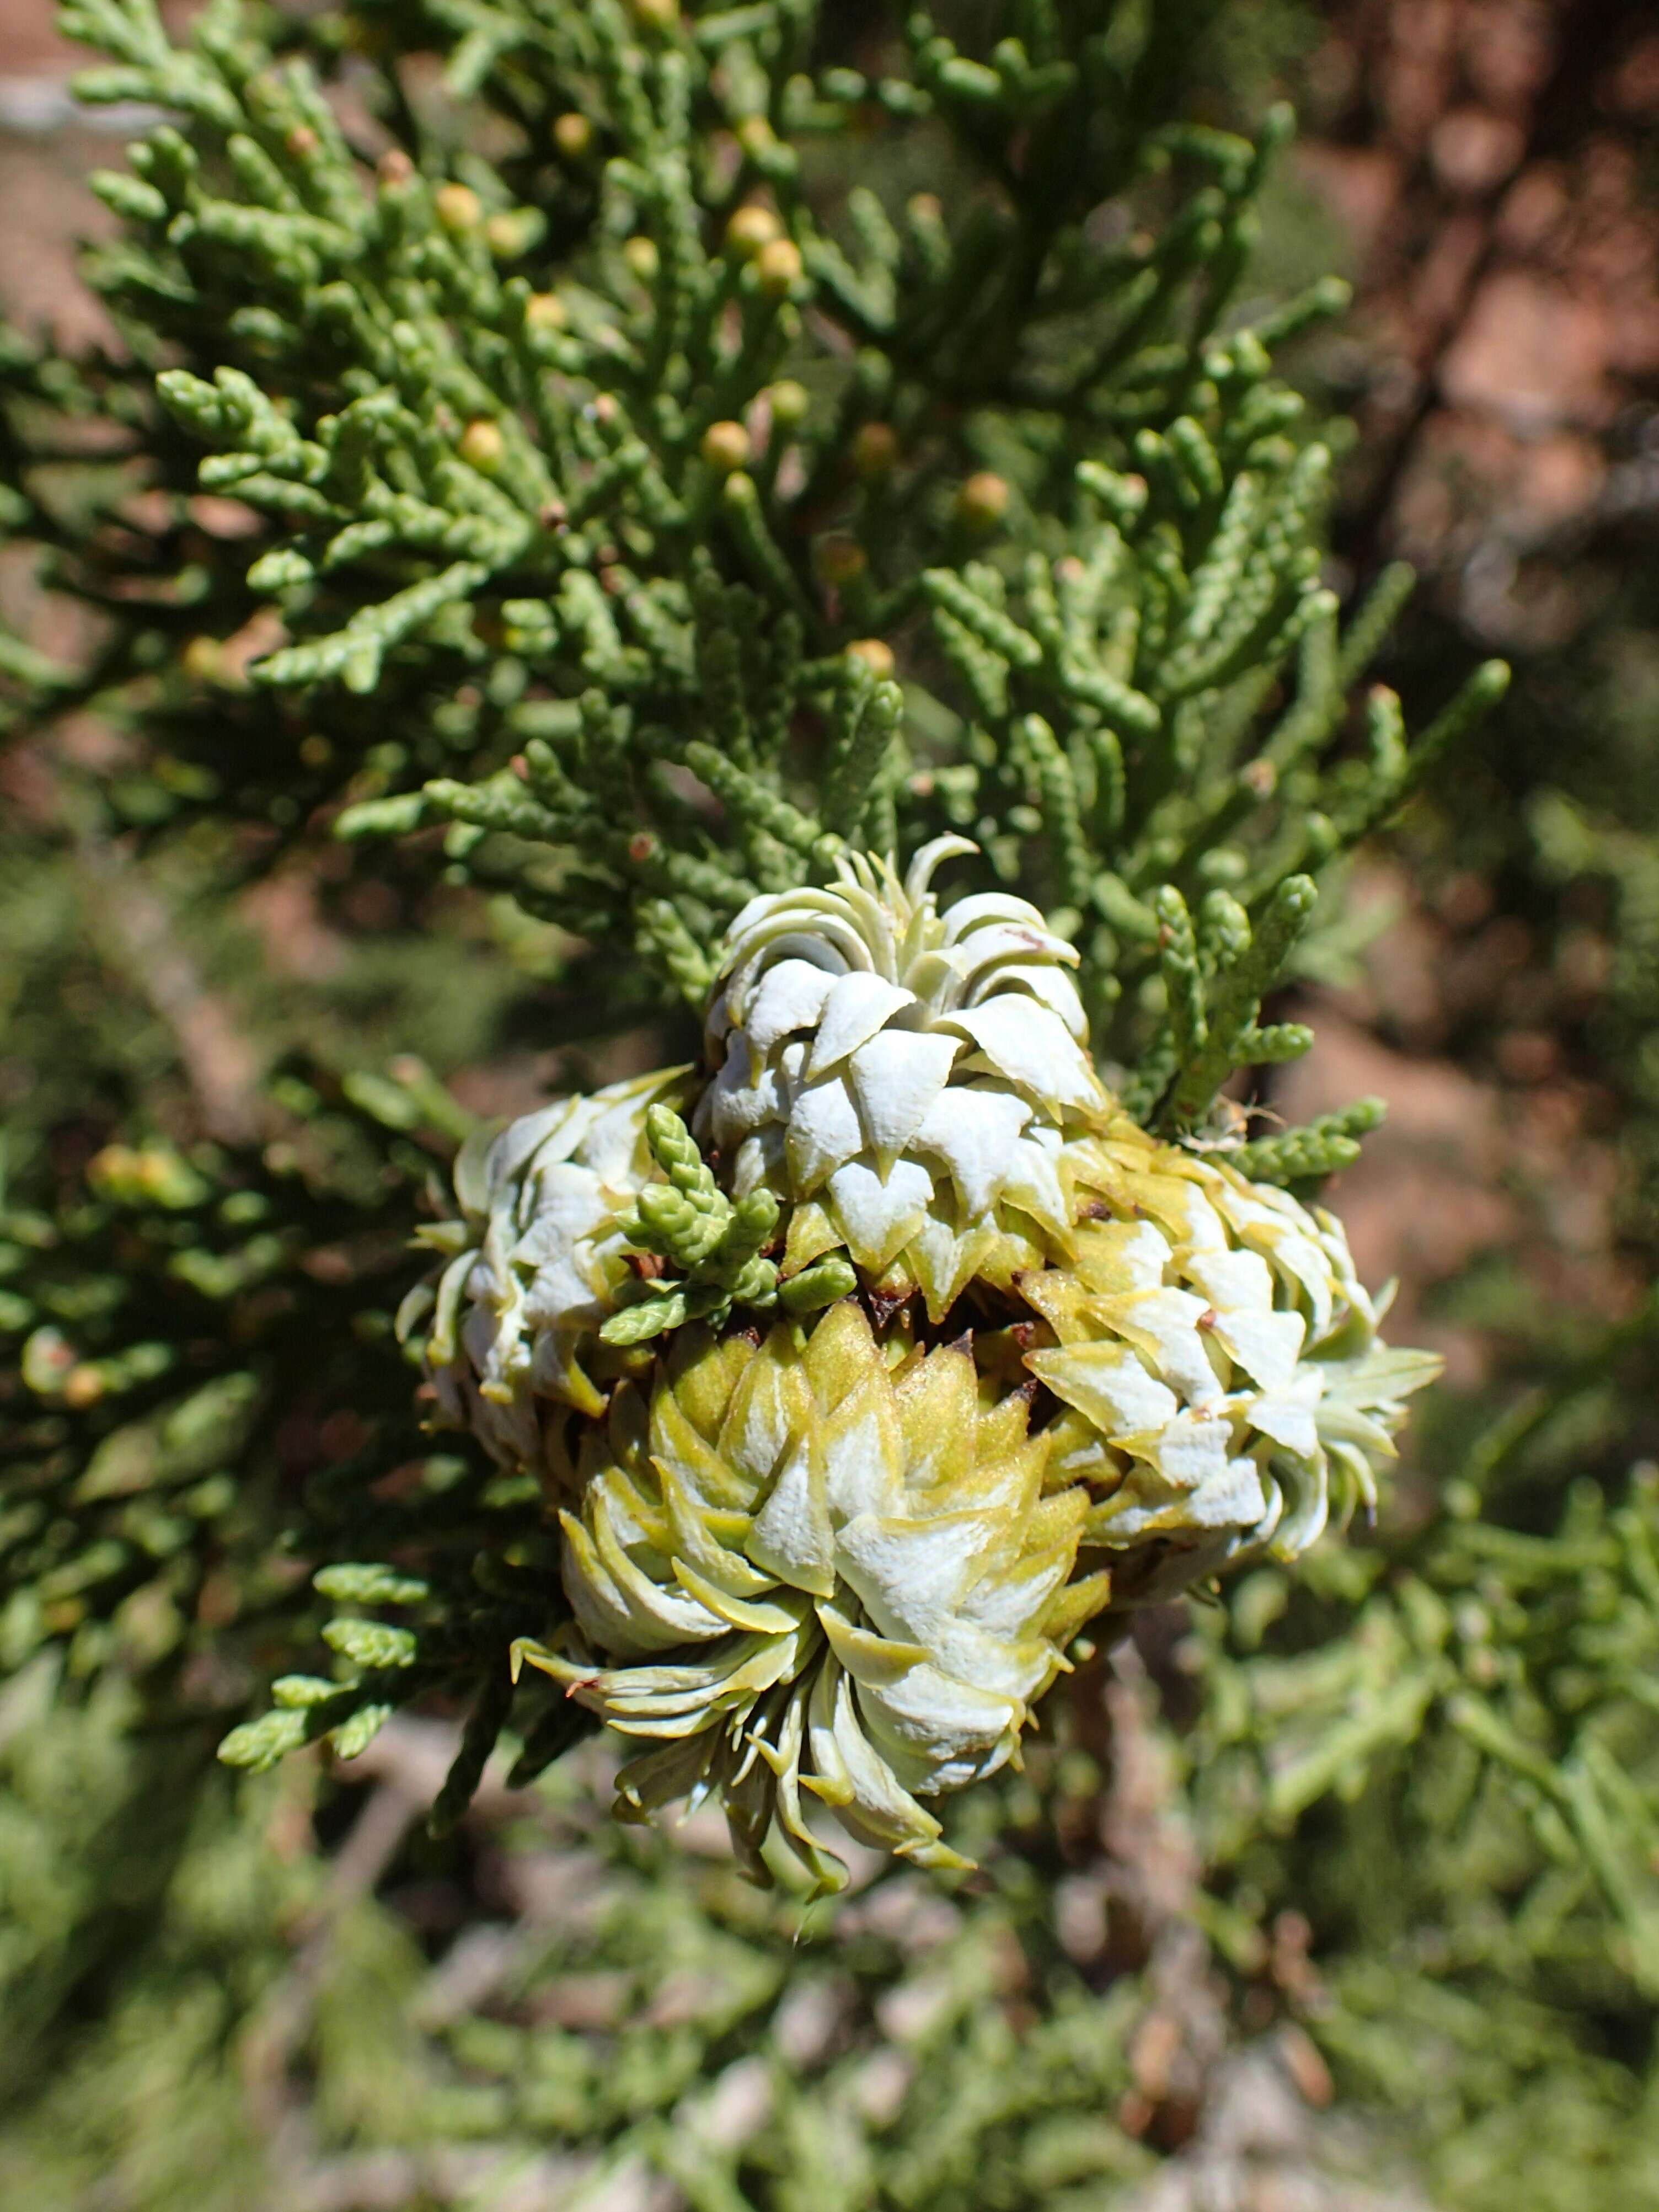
(136, 933)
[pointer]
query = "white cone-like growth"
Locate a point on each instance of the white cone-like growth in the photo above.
(906, 1080)
(818, 1559)
(846, 1567)
(1223, 1385)
(536, 1261)
(822, 1564)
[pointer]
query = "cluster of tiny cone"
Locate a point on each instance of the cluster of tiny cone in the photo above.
(831, 1558)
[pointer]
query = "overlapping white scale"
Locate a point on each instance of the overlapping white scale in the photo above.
(1052, 987)
(1114, 1256)
(1110, 1383)
(613, 1143)
(1289, 1412)
(1014, 1667)
(1284, 1235)
(850, 1772)
(489, 1281)
(774, 1404)
(989, 909)
(1029, 1045)
(791, 1536)
(617, 1604)
(570, 1202)
(854, 1008)
(610, 1498)
(1298, 1506)
(897, 1077)
(911, 1574)
(788, 997)
(738, 1101)
(824, 933)
(760, 1158)
(558, 1129)
(944, 1261)
(997, 941)
(974, 1130)
(1010, 1603)
(862, 1454)
(936, 1732)
(1033, 1182)
(507, 1431)
(825, 1130)
(878, 1215)
(554, 1344)
(1177, 1199)
(1239, 1286)
(1163, 1323)
(1191, 1452)
(1231, 1496)
(492, 1337)
(913, 1579)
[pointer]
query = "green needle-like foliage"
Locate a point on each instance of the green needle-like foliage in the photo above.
(624, 477)
(650, 524)
(715, 1248)
(553, 484)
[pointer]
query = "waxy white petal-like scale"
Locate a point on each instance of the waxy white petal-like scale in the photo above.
(831, 1564)
(539, 1260)
(897, 1589)
(1217, 1360)
(906, 1056)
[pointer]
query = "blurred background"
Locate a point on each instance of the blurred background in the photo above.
(315, 2007)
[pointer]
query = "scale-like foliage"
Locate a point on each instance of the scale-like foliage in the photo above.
(550, 476)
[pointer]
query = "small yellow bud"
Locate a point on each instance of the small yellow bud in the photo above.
(203, 659)
(725, 446)
(512, 232)
(876, 653)
(982, 500)
(481, 444)
(777, 265)
(840, 561)
(642, 255)
(875, 452)
(546, 311)
(656, 14)
(83, 1386)
(457, 207)
(925, 207)
(300, 141)
(750, 228)
(790, 403)
(109, 1171)
(1261, 777)
(156, 1172)
(394, 167)
(756, 136)
(573, 134)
